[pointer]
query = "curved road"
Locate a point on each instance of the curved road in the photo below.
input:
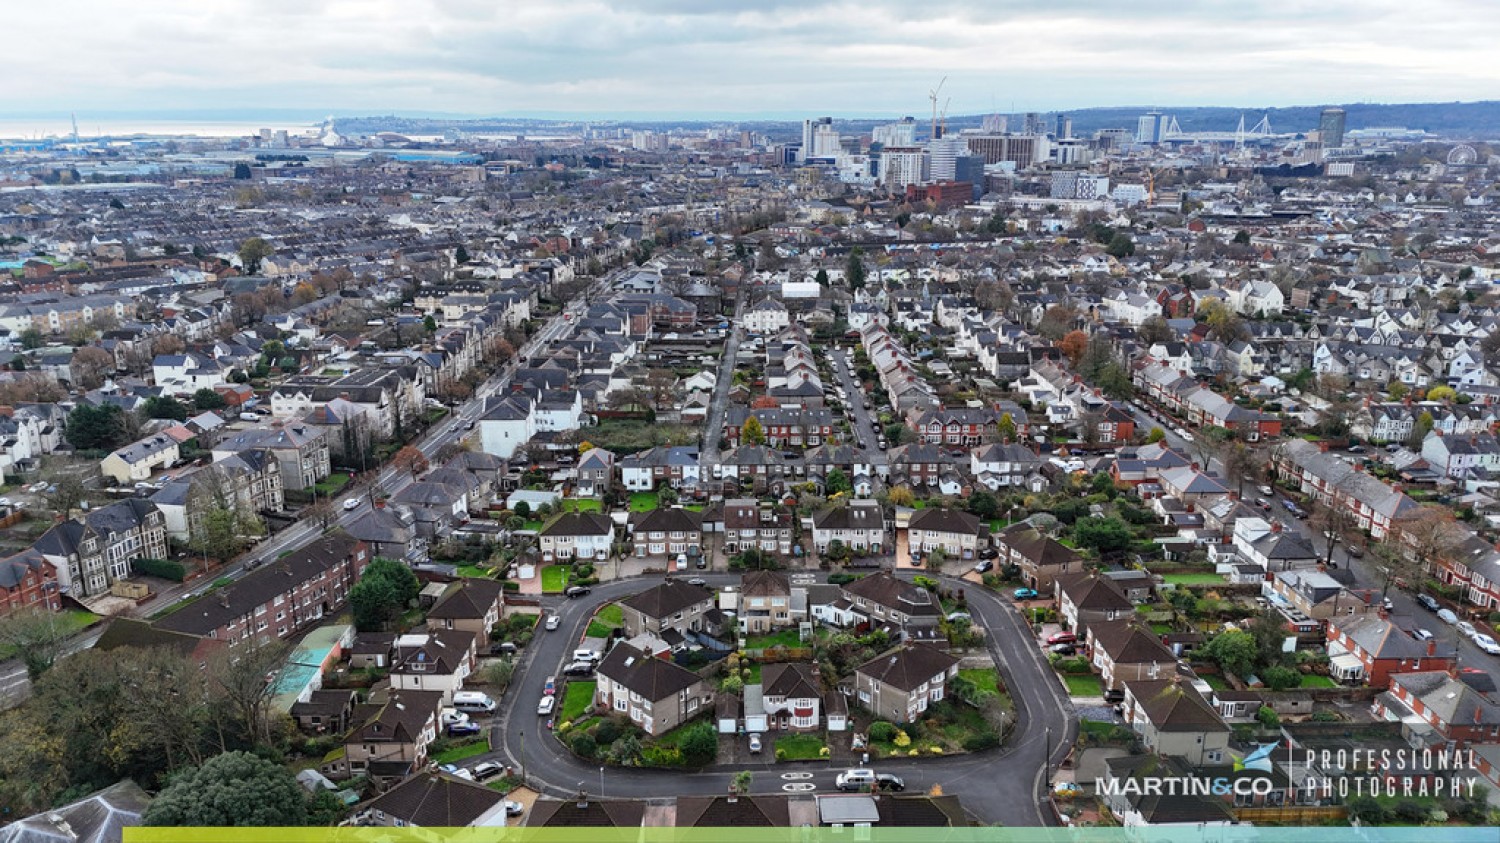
(1043, 710)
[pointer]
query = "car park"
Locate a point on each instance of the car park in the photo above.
(1025, 594)
(546, 706)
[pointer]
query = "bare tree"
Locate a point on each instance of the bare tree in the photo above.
(36, 636)
(239, 680)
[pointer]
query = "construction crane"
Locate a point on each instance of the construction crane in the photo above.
(943, 118)
(933, 95)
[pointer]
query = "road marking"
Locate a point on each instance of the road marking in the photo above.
(799, 787)
(791, 776)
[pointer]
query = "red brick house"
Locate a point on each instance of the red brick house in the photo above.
(1454, 706)
(27, 580)
(1381, 649)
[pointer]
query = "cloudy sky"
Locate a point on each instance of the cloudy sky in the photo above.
(749, 57)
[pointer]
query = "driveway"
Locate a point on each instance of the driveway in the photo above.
(1044, 721)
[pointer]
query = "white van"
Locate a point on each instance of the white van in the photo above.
(473, 701)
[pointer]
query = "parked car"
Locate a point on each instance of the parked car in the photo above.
(1466, 629)
(1421, 634)
(455, 770)
(1485, 643)
(552, 622)
(467, 727)
(551, 685)
(503, 648)
(755, 744)
(514, 808)
(1264, 504)
(1356, 449)
(1265, 490)
(1428, 602)
(854, 779)
(1354, 551)
(983, 566)
(577, 591)
(1062, 638)
(578, 669)
(583, 654)
(888, 781)
(1025, 594)
(697, 581)
(1447, 616)
(545, 707)
(1064, 649)
(351, 503)
(486, 770)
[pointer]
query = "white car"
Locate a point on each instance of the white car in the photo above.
(1466, 629)
(1447, 616)
(552, 622)
(545, 707)
(1485, 643)
(352, 503)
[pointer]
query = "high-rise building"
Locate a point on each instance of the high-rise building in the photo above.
(900, 133)
(994, 124)
(1033, 124)
(825, 141)
(1063, 127)
(1331, 127)
(901, 166)
(941, 155)
(809, 134)
(1022, 150)
(1148, 128)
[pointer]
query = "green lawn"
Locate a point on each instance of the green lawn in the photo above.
(799, 747)
(475, 571)
(612, 614)
(583, 505)
(332, 484)
(534, 526)
(754, 673)
(1312, 681)
(1083, 685)
(983, 678)
(785, 638)
(1193, 579)
(642, 501)
(1215, 681)
(458, 753)
(1162, 628)
(577, 697)
(74, 621)
(555, 578)
(599, 630)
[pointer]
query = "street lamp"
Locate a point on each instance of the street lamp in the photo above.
(601, 782)
(1047, 759)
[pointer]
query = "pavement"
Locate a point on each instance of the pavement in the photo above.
(708, 451)
(1045, 726)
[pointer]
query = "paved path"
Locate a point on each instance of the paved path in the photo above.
(1014, 771)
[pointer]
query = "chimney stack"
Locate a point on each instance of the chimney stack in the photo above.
(1431, 647)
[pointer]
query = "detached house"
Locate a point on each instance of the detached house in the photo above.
(391, 741)
(434, 661)
(899, 686)
(792, 696)
(471, 605)
(1040, 557)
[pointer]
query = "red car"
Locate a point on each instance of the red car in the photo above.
(551, 686)
(1061, 638)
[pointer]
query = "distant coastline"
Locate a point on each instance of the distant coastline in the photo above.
(33, 128)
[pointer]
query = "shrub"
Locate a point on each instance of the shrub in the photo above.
(1280, 678)
(1324, 715)
(1409, 812)
(654, 755)
(1268, 717)
(935, 750)
(780, 755)
(981, 741)
(563, 727)
(583, 744)
(823, 752)
(700, 744)
(163, 568)
(882, 731)
(914, 752)
(608, 731)
(901, 739)
(1367, 810)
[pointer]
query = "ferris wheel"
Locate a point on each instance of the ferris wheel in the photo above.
(1462, 155)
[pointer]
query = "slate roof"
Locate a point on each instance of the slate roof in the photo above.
(668, 598)
(437, 800)
(652, 678)
(1173, 706)
(909, 667)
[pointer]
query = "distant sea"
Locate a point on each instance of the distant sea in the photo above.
(22, 128)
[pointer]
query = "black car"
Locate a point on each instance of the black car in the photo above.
(577, 591)
(886, 781)
(1428, 602)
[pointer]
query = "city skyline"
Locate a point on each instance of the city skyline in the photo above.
(769, 60)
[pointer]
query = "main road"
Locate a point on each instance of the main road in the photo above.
(1005, 785)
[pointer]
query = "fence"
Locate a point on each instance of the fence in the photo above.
(1292, 814)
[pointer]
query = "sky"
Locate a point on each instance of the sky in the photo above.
(715, 58)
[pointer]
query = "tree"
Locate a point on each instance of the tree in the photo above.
(165, 407)
(897, 433)
(96, 428)
(460, 254)
(854, 269)
(37, 636)
(242, 697)
(499, 673)
(740, 784)
(1223, 323)
(410, 459)
(751, 432)
(1419, 431)
(1105, 535)
(1154, 330)
(233, 789)
(1006, 428)
(836, 482)
(1442, 393)
(208, 399)
(1156, 435)
(699, 743)
(32, 338)
(242, 171)
(1120, 246)
(89, 366)
(66, 492)
(935, 560)
(821, 277)
(252, 252)
(1234, 651)
(983, 505)
(901, 496)
(1073, 344)
(383, 592)
(1240, 462)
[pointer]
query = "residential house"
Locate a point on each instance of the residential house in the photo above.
(1266, 544)
(577, 535)
(670, 611)
(301, 448)
(765, 603)
(1125, 651)
(886, 600)
(677, 467)
(900, 685)
(1369, 649)
(1374, 505)
(858, 525)
(1127, 784)
(655, 694)
(750, 524)
(956, 532)
(1306, 598)
(1459, 456)
(1083, 598)
(433, 661)
(671, 531)
(472, 605)
(135, 462)
(1003, 465)
(966, 426)
(1439, 707)
(391, 741)
(596, 472)
(792, 696)
(28, 581)
(1172, 718)
(435, 800)
(93, 552)
(436, 507)
(1040, 557)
